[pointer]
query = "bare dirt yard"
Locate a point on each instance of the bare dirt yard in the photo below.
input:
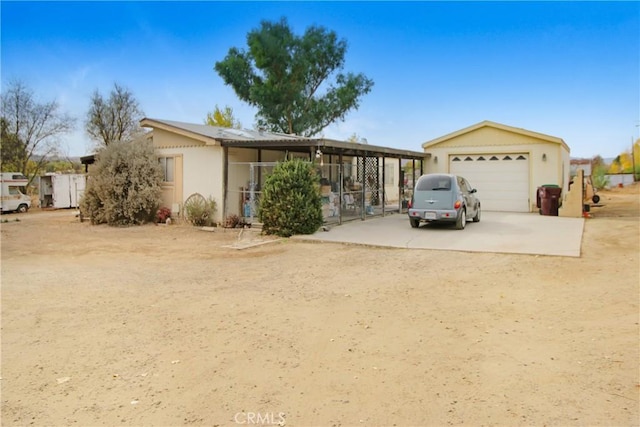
(164, 326)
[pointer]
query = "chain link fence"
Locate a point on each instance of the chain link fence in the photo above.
(357, 188)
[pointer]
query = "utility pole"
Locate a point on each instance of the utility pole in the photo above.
(633, 159)
(633, 153)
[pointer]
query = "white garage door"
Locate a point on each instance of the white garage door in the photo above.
(502, 180)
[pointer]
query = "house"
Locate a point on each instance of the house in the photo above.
(230, 166)
(506, 164)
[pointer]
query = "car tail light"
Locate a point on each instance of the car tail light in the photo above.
(457, 204)
(410, 204)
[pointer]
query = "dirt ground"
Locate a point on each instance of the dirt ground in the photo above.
(163, 326)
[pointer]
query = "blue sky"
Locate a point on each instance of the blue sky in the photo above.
(570, 70)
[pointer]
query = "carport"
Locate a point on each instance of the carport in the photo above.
(357, 180)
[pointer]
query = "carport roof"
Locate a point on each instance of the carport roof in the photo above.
(327, 146)
(246, 138)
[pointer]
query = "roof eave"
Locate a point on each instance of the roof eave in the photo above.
(155, 124)
(487, 123)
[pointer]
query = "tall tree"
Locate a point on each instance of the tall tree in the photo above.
(30, 130)
(114, 119)
(10, 148)
(597, 162)
(222, 118)
(357, 138)
(295, 82)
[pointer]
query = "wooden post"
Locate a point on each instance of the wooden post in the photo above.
(225, 181)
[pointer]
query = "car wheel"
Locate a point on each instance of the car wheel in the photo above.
(415, 223)
(477, 217)
(462, 220)
(596, 199)
(22, 208)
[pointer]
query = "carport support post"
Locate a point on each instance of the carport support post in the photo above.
(363, 190)
(384, 194)
(225, 181)
(252, 191)
(259, 169)
(400, 186)
(413, 172)
(341, 186)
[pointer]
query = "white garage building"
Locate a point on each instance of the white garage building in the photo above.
(505, 164)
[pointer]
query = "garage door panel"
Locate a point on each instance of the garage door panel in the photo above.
(491, 168)
(502, 183)
(492, 188)
(496, 178)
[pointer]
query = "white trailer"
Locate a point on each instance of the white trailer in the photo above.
(61, 191)
(14, 187)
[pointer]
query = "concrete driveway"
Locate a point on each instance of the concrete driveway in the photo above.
(503, 232)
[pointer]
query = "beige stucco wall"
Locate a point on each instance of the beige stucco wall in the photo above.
(553, 169)
(202, 165)
(201, 172)
(165, 139)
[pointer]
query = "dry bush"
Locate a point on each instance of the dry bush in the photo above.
(124, 185)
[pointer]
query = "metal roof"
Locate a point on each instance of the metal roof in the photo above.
(327, 146)
(219, 133)
(247, 138)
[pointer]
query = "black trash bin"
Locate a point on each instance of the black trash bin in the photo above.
(548, 199)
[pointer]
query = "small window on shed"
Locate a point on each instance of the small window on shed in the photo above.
(456, 159)
(481, 158)
(494, 158)
(521, 157)
(507, 158)
(468, 159)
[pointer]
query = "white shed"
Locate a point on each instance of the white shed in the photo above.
(61, 190)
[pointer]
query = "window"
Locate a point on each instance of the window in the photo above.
(434, 183)
(14, 191)
(521, 158)
(167, 168)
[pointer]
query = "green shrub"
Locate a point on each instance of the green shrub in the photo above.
(598, 178)
(200, 211)
(290, 202)
(123, 187)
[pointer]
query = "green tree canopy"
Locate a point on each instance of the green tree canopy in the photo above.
(11, 148)
(296, 83)
(222, 118)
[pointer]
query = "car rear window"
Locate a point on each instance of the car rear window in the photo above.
(434, 183)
